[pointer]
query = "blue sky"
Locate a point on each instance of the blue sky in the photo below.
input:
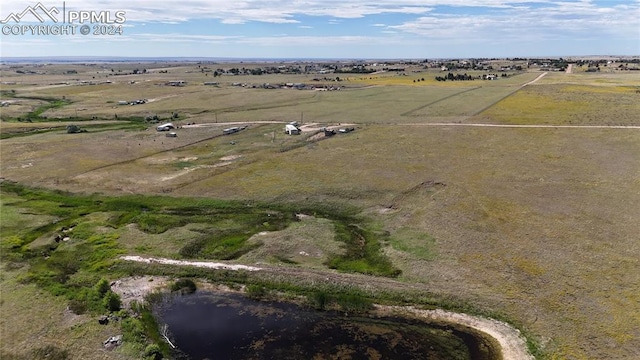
(338, 29)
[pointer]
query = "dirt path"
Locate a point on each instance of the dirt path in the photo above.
(513, 344)
(569, 68)
(535, 80)
(202, 264)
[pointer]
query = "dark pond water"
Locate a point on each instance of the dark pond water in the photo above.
(231, 326)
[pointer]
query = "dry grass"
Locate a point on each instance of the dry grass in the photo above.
(368, 99)
(309, 243)
(539, 225)
(43, 320)
(569, 104)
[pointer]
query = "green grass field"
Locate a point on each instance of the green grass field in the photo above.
(533, 225)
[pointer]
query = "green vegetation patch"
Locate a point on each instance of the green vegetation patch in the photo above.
(420, 245)
(36, 114)
(93, 240)
(363, 252)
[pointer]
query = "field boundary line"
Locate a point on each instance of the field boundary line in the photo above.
(150, 155)
(511, 93)
(407, 113)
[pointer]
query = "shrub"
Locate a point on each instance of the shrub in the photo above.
(185, 286)
(102, 287)
(354, 301)
(320, 299)
(153, 352)
(111, 301)
(78, 307)
(256, 292)
(133, 330)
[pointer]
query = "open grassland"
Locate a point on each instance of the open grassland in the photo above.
(537, 225)
(38, 325)
(369, 99)
(587, 103)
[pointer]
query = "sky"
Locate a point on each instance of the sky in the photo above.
(322, 29)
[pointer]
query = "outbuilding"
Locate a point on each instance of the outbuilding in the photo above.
(231, 130)
(291, 129)
(165, 127)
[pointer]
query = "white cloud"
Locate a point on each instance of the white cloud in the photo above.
(236, 12)
(558, 20)
(320, 41)
(426, 24)
(286, 11)
(176, 37)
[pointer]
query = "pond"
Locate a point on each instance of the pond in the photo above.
(221, 325)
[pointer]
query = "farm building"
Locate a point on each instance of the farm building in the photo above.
(231, 130)
(291, 129)
(165, 127)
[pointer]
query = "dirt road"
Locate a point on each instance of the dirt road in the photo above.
(535, 80)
